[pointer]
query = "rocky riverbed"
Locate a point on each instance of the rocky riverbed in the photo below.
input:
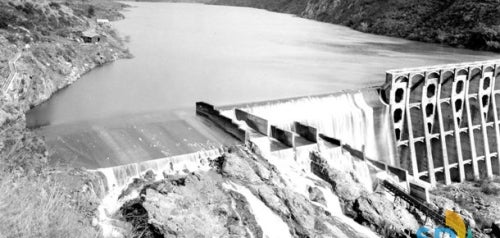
(243, 195)
(246, 195)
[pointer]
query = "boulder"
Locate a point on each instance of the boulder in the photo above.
(383, 215)
(316, 195)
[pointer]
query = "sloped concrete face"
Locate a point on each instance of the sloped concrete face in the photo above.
(445, 120)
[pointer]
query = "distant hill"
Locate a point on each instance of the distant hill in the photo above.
(473, 24)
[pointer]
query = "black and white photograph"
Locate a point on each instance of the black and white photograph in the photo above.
(249, 118)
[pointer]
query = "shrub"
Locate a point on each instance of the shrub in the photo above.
(26, 39)
(6, 18)
(12, 38)
(91, 11)
(39, 207)
(490, 188)
(55, 5)
(27, 8)
(493, 45)
(363, 26)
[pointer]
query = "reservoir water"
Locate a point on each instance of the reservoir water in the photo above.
(226, 55)
(223, 55)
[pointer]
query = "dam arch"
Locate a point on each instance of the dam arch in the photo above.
(453, 111)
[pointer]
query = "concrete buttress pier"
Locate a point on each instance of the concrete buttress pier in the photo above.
(445, 120)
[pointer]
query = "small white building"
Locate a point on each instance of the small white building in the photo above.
(102, 21)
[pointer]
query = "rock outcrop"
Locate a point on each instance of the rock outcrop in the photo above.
(230, 200)
(376, 210)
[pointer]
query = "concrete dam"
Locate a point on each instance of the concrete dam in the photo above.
(437, 124)
(424, 126)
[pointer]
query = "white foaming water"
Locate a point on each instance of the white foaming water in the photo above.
(272, 225)
(333, 206)
(117, 179)
(350, 117)
(302, 155)
(332, 202)
(295, 169)
(344, 161)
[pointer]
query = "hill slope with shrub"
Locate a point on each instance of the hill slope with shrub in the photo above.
(39, 199)
(470, 24)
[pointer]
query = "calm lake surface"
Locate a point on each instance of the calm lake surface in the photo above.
(226, 55)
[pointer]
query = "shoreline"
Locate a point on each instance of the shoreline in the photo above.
(54, 57)
(400, 19)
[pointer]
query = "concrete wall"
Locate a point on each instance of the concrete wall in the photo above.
(204, 109)
(379, 164)
(283, 136)
(259, 124)
(402, 174)
(308, 132)
(227, 124)
(356, 153)
(330, 140)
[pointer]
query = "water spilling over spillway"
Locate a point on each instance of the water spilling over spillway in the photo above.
(358, 118)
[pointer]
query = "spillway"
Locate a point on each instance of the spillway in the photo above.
(358, 118)
(293, 163)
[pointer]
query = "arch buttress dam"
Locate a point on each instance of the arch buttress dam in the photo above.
(445, 120)
(438, 123)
